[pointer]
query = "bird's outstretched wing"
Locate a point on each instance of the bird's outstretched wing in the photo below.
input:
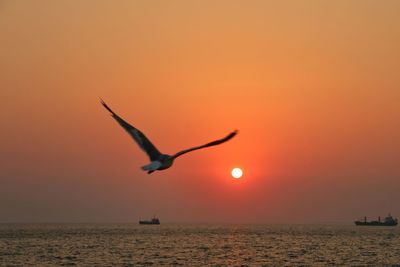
(213, 143)
(137, 135)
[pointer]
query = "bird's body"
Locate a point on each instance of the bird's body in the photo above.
(158, 160)
(163, 162)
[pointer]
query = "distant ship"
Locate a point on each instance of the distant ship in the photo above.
(389, 221)
(152, 221)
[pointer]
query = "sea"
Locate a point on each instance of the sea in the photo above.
(197, 245)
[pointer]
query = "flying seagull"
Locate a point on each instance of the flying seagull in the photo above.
(158, 160)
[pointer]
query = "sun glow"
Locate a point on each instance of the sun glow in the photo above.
(237, 173)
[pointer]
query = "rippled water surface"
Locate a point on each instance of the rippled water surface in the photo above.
(198, 245)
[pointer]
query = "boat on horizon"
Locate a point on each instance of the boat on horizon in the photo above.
(152, 221)
(389, 221)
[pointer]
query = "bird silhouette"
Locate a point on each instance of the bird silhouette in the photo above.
(158, 160)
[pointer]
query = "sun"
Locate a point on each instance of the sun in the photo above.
(237, 173)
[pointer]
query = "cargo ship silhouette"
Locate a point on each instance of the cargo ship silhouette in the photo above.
(152, 221)
(389, 221)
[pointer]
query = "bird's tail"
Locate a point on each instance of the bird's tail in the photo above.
(154, 165)
(107, 107)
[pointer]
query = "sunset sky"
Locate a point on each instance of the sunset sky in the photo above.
(312, 86)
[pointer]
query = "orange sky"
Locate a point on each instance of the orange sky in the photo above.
(312, 86)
